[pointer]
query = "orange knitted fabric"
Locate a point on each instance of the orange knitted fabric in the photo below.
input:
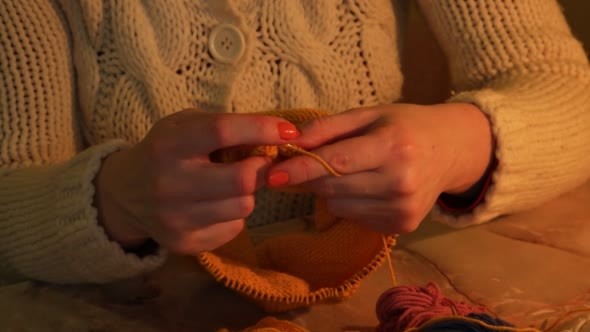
(325, 262)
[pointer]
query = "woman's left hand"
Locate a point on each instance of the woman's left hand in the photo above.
(395, 161)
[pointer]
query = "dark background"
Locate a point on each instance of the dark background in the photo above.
(578, 16)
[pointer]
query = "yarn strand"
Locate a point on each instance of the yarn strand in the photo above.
(297, 150)
(294, 150)
(389, 263)
(564, 316)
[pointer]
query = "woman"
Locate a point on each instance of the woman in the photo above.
(110, 109)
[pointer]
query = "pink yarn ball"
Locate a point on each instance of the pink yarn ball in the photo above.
(403, 307)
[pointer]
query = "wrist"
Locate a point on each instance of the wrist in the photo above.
(468, 200)
(111, 216)
(472, 144)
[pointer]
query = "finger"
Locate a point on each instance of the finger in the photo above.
(182, 218)
(359, 208)
(202, 133)
(331, 128)
(400, 216)
(348, 156)
(215, 181)
(205, 239)
(369, 184)
(384, 183)
(356, 154)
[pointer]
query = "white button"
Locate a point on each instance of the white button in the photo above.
(226, 43)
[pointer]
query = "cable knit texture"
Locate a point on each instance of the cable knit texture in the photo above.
(137, 61)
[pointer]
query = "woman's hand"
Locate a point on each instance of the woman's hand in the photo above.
(166, 187)
(395, 159)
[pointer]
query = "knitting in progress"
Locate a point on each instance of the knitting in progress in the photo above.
(422, 309)
(139, 61)
(82, 80)
(323, 263)
(326, 263)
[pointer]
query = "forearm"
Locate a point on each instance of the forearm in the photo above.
(530, 76)
(540, 124)
(48, 227)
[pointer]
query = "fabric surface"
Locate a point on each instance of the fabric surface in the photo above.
(94, 76)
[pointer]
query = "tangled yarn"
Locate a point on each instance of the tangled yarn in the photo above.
(409, 308)
(422, 309)
(402, 307)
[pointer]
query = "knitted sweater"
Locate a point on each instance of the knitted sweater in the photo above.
(81, 79)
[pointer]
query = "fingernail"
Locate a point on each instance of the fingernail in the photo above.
(278, 178)
(287, 131)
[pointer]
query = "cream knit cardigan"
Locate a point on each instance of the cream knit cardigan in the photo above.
(81, 79)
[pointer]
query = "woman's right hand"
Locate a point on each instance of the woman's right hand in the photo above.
(166, 188)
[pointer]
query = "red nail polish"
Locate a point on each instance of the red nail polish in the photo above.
(278, 178)
(287, 131)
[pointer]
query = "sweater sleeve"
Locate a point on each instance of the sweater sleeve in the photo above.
(519, 63)
(48, 225)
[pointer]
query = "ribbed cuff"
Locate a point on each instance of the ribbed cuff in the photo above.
(459, 204)
(49, 229)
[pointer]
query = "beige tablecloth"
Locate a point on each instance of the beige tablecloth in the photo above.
(528, 268)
